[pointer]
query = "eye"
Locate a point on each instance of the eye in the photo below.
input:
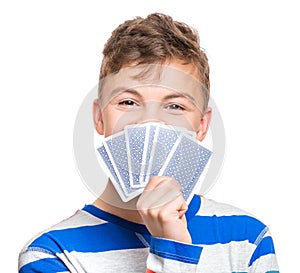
(128, 102)
(175, 107)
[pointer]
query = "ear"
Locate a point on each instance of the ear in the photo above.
(204, 124)
(97, 115)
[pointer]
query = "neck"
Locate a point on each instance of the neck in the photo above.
(111, 202)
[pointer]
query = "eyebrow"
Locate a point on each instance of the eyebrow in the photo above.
(174, 95)
(180, 95)
(121, 89)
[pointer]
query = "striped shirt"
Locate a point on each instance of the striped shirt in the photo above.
(224, 239)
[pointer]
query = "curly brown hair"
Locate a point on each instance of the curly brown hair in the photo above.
(155, 39)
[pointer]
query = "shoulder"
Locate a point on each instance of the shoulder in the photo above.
(232, 216)
(232, 234)
(50, 243)
(49, 239)
(216, 222)
(211, 207)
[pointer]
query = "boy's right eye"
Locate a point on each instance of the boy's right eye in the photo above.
(127, 102)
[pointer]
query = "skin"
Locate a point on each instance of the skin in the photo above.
(143, 104)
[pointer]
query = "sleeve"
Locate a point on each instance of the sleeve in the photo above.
(264, 259)
(35, 259)
(172, 256)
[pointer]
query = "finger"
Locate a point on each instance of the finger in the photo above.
(165, 191)
(183, 209)
(177, 206)
(157, 181)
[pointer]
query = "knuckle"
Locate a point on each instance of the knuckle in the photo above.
(163, 216)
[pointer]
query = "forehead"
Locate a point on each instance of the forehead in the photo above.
(175, 76)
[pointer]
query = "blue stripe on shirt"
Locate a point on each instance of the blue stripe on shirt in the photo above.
(88, 239)
(175, 250)
(265, 247)
(49, 265)
(224, 229)
(210, 230)
(120, 234)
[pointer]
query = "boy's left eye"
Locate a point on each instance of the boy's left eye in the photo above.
(175, 106)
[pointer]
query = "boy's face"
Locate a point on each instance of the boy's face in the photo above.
(174, 98)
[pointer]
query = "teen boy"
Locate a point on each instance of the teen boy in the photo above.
(148, 73)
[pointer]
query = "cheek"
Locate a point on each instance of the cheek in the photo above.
(180, 121)
(189, 121)
(115, 121)
(196, 118)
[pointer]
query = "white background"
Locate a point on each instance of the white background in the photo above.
(49, 60)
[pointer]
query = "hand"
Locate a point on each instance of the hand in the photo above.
(162, 208)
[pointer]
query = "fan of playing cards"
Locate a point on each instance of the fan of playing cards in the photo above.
(131, 157)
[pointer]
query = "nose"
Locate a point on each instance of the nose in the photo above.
(151, 112)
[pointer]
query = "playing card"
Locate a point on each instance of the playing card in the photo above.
(146, 159)
(131, 157)
(151, 134)
(135, 137)
(116, 149)
(164, 139)
(186, 163)
(108, 168)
